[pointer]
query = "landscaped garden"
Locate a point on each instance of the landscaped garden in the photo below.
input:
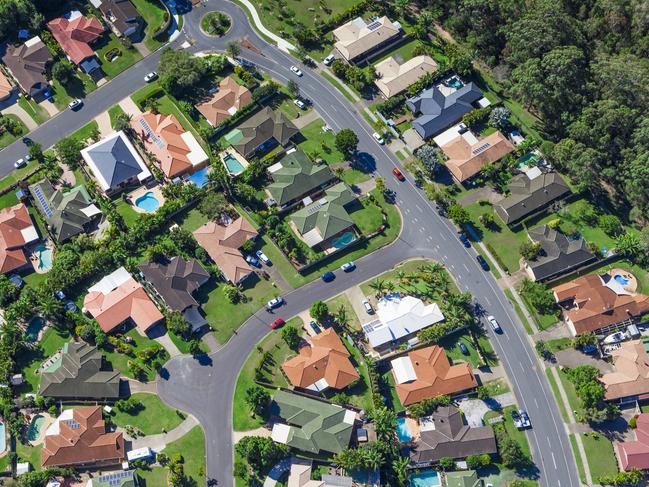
(11, 128)
(143, 357)
(147, 414)
(216, 23)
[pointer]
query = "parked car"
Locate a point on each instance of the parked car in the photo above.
(296, 70)
(328, 276)
(368, 307)
(465, 241)
(348, 266)
(517, 420)
(263, 257)
(494, 324)
(300, 104)
(463, 349)
(275, 302)
(525, 419)
(20, 163)
(483, 263)
(589, 348)
(252, 261)
(314, 326)
(378, 138)
(329, 59)
(278, 323)
(398, 174)
(59, 295)
(150, 76)
(75, 104)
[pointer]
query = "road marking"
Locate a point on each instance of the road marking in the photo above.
(415, 219)
(487, 300)
(419, 208)
(421, 230)
(537, 405)
(553, 459)
(521, 365)
(466, 267)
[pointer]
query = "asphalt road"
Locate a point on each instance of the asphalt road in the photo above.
(205, 387)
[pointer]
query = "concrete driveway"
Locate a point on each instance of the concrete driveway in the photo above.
(475, 409)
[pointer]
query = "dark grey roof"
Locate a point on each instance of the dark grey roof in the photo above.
(559, 254)
(79, 375)
(438, 111)
(195, 319)
(27, 64)
(115, 161)
(121, 13)
(452, 438)
(530, 195)
(261, 127)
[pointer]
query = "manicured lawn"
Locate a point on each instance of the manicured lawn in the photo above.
(353, 176)
(113, 113)
(154, 417)
(519, 311)
(578, 461)
(120, 360)
(514, 433)
(192, 219)
(389, 391)
(319, 142)
(31, 454)
(7, 137)
(343, 300)
(571, 394)
(452, 346)
(408, 268)
(27, 362)
(154, 15)
(559, 344)
(338, 86)
(8, 199)
(366, 215)
(183, 345)
(126, 59)
(600, 455)
(543, 321)
(145, 92)
(37, 112)
(496, 387)
(406, 51)
(129, 215)
(84, 133)
(78, 87)
(555, 391)
(361, 394)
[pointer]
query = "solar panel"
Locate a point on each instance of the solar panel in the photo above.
(480, 149)
(72, 424)
(43, 202)
(374, 25)
(149, 132)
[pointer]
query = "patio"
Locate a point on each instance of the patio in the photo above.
(146, 199)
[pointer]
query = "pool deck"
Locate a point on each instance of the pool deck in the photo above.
(235, 155)
(141, 191)
(632, 284)
(41, 432)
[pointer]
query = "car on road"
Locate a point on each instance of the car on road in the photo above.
(494, 324)
(398, 174)
(27, 141)
(329, 59)
(263, 257)
(20, 163)
(368, 307)
(348, 266)
(525, 419)
(278, 323)
(252, 261)
(300, 104)
(465, 241)
(328, 276)
(463, 349)
(296, 70)
(275, 302)
(378, 138)
(483, 263)
(150, 76)
(75, 104)
(516, 418)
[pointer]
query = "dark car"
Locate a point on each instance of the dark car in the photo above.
(328, 276)
(483, 263)
(463, 349)
(465, 241)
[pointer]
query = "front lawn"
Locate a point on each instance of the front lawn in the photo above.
(571, 394)
(152, 418)
(320, 143)
(343, 300)
(600, 455)
(154, 16)
(578, 460)
(37, 112)
(113, 113)
(7, 137)
(451, 345)
(84, 133)
(109, 44)
(408, 268)
(120, 361)
(366, 215)
(518, 435)
(78, 87)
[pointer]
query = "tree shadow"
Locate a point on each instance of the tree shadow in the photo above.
(363, 161)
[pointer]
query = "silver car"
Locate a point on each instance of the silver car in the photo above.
(368, 307)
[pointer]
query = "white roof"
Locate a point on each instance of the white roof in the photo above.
(32, 41)
(54, 429)
(319, 386)
(350, 416)
(533, 172)
(280, 433)
(53, 483)
(275, 167)
(196, 153)
(484, 102)
(111, 281)
(29, 234)
(90, 211)
(22, 468)
(403, 369)
(144, 452)
(450, 134)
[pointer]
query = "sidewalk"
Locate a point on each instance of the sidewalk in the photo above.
(283, 44)
(160, 441)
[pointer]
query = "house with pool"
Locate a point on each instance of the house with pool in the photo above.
(17, 231)
(261, 132)
(175, 150)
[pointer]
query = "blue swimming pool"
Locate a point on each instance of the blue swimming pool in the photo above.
(455, 82)
(3, 444)
(45, 255)
(621, 280)
(147, 202)
(427, 478)
(403, 433)
(233, 165)
(344, 240)
(34, 430)
(34, 328)
(199, 178)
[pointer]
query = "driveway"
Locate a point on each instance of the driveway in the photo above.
(475, 409)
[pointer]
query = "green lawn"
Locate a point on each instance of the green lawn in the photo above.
(17, 175)
(338, 86)
(559, 344)
(37, 112)
(390, 392)
(183, 345)
(84, 133)
(146, 91)
(360, 395)
(406, 51)
(113, 113)
(191, 220)
(154, 417)
(8, 199)
(120, 361)
(543, 321)
(514, 433)
(571, 394)
(353, 176)
(600, 455)
(320, 143)
(28, 453)
(555, 391)
(496, 387)
(408, 267)
(154, 15)
(8, 138)
(343, 300)
(129, 215)
(451, 345)
(27, 362)
(366, 215)
(78, 87)
(519, 311)
(126, 59)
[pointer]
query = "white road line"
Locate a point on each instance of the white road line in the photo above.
(553, 459)
(419, 208)
(487, 300)
(415, 219)
(466, 267)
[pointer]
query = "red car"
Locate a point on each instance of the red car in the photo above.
(278, 323)
(398, 174)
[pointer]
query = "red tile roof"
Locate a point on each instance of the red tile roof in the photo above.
(466, 160)
(75, 35)
(225, 102)
(15, 228)
(635, 454)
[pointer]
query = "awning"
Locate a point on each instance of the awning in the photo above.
(90, 211)
(403, 370)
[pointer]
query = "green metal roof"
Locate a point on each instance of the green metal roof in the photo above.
(468, 478)
(297, 177)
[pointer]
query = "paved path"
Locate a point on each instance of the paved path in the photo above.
(237, 435)
(129, 107)
(306, 119)
(136, 386)
(103, 121)
(165, 341)
(283, 44)
(160, 441)
(16, 109)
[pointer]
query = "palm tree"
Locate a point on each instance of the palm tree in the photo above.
(389, 287)
(385, 421)
(339, 171)
(378, 285)
(400, 467)
(341, 315)
(372, 458)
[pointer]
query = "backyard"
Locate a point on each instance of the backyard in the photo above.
(151, 418)
(407, 51)
(28, 361)
(120, 361)
(154, 16)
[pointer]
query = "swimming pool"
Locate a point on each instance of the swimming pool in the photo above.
(427, 478)
(45, 255)
(147, 202)
(344, 240)
(34, 430)
(528, 159)
(199, 178)
(621, 280)
(34, 328)
(233, 165)
(3, 444)
(403, 433)
(455, 82)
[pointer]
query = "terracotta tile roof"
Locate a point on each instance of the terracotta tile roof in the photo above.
(434, 376)
(395, 77)
(466, 160)
(635, 454)
(75, 35)
(222, 245)
(325, 358)
(111, 306)
(225, 102)
(16, 230)
(79, 437)
(5, 86)
(631, 371)
(595, 301)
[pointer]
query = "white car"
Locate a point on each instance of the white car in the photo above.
(74, 104)
(275, 302)
(20, 163)
(151, 76)
(494, 324)
(263, 257)
(296, 70)
(378, 138)
(525, 419)
(300, 104)
(329, 59)
(368, 307)
(348, 266)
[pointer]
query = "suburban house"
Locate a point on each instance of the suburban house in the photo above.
(78, 438)
(426, 373)
(325, 223)
(629, 380)
(261, 132)
(444, 434)
(75, 33)
(399, 319)
(6, 88)
(222, 241)
(118, 298)
(115, 163)
(67, 213)
(225, 102)
(77, 372)
(530, 192)
(465, 478)
(175, 149)
(300, 476)
(595, 302)
(295, 177)
(310, 425)
(357, 39)
(635, 454)
(322, 364)
(439, 107)
(466, 158)
(125, 478)
(16, 231)
(174, 282)
(27, 64)
(395, 76)
(121, 15)
(558, 254)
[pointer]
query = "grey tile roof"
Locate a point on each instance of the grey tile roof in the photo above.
(122, 14)
(114, 160)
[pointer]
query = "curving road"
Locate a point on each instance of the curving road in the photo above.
(205, 388)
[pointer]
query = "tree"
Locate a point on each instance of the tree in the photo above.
(260, 452)
(177, 324)
(511, 453)
(233, 49)
(180, 71)
(35, 151)
(499, 118)
(427, 154)
(9, 292)
(195, 347)
(257, 398)
(213, 205)
(232, 293)
(68, 151)
(630, 245)
(400, 467)
(611, 225)
(123, 122)
(446, 463)
(584, 339)
(458, 214)
(529, 249)
(380, 185)
(291, 336)
(62, 71)
(319, 311)
(487, 219)
(346, 142)
(539, 296)
(293, 88)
